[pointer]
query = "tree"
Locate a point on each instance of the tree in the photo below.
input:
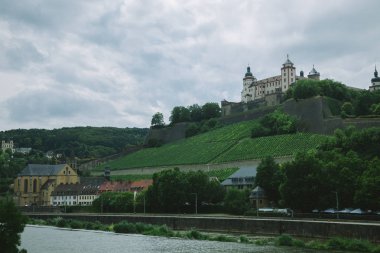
(268, 177)
(368, 194)
(236, 201)
(157, 120)
(196, 113)
(211, 110)
(179, 114)
(12, 223)
(304, 183)
(305, 89)
(274, 123)
(347, 109)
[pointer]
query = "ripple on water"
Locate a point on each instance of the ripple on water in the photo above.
(40, 239)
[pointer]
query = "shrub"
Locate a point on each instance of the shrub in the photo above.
(75, 224)
(223, 238)
(194, 234)
(243, 239)
(315, 245)
(359, 245)
(125, 227)
(284, 240)
(298, 243)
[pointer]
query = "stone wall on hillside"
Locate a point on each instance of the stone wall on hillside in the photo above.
(314, 114)
(167, 134)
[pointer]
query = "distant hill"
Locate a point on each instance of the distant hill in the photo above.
(82, 142)
(229, 143)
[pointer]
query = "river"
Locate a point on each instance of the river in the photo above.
(41, 239)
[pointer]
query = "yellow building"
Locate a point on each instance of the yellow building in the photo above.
(36, 182)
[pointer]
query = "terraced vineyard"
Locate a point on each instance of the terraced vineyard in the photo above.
(183, 152)
(230, 143)
(279, 145)
(221, 174)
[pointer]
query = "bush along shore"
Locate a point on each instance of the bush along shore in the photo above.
(125, 227)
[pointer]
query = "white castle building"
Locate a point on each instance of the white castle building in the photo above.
(254, 89)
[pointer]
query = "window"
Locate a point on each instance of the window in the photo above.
(34, 185)
(25, 185)
(284, 74)
(284, 80)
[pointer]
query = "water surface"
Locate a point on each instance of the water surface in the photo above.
(40, 239)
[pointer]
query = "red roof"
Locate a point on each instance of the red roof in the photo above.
(141, 185)
(112, 186)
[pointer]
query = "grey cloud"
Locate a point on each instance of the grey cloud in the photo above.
(46, 105)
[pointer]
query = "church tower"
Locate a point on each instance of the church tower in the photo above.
(288, 74)
(247, 93)
(375, 81)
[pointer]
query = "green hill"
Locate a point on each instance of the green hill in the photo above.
(230, 143)
(82, 142)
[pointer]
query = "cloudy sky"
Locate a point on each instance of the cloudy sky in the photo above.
(116, 63)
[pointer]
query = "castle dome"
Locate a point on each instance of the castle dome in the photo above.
(248, 74)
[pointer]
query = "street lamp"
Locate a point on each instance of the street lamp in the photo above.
(337, 204)
(196, 202)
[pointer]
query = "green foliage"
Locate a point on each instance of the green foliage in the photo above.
(236, 201)
(269, 177)
(179, 114)
(194, 234)
(305, 89)
(114, 202)
(211, 110)
(82, 142)
(346, 165)
(12, 223)
(275, 123)
(157, 120)
(195, 113)
(368, 192)
(223, 238)
(284, 240)
(375, 109)
(347, 108)
(171, 189)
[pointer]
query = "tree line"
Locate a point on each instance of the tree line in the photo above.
(352, 101)
(346, 167)
(81, 142)
(192, 113)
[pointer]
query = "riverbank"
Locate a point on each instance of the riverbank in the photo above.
(162, 230)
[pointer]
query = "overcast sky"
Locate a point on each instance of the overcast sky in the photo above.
(115, 63)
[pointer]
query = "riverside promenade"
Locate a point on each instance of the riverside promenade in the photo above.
(312, 228)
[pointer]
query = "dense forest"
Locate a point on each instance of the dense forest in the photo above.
(345, 167)
(81, 142)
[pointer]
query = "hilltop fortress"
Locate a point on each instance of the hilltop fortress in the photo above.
(268, 91)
